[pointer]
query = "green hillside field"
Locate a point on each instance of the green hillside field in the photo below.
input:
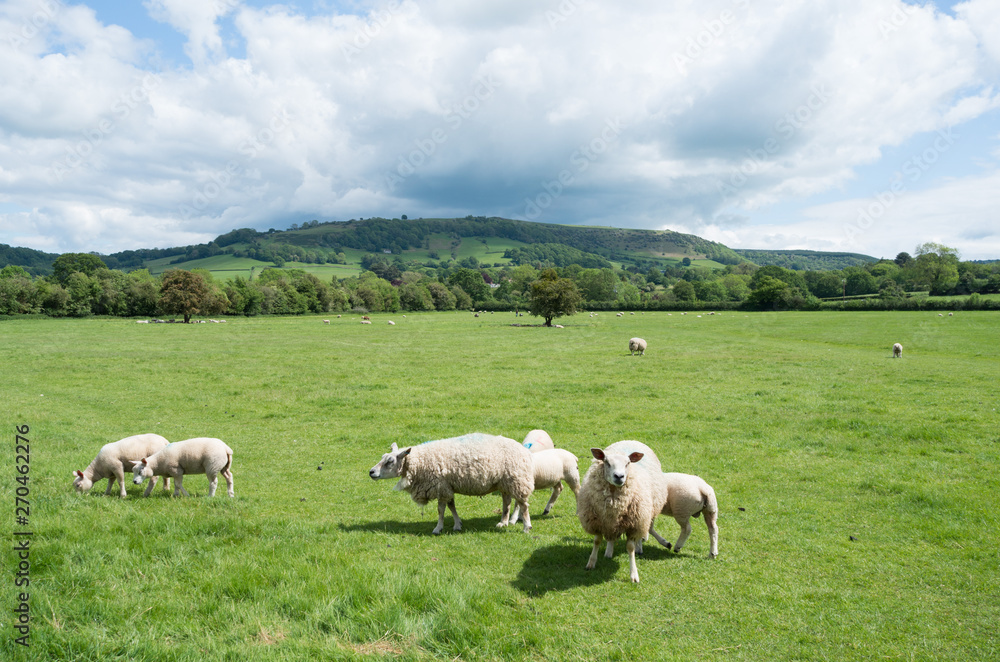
(859, 494)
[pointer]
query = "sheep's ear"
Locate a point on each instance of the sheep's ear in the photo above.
(403, 453)
(78, 474)
(393, 448)
(635, 457)
(597, 453)
(143, 461)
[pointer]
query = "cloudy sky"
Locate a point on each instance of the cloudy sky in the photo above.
(850, 125)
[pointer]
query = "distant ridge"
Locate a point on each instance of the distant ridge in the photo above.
(804, 260)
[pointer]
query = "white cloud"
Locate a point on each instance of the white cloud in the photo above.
(727, 108)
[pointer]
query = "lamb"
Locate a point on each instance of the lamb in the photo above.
(637, 345)
(897, 351)
(551, 468)
(475, 464)
(689, 496)
(112, 460)
(538, 440)
(201, 455)
(620, 496)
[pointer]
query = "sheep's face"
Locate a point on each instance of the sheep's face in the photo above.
(391, 463)
(81, 483)
(616, 465)
(140, 471)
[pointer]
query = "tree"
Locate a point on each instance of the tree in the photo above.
(184, 293)
(552, 296)
(472, 282)
(902, 259)
(683, 291)
(69, 263)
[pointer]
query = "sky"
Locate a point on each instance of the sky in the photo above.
(867, 126)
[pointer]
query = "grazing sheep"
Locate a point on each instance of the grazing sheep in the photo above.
(365, 317)
(475, 464)
(201, 455)
(366, 321)
(620, 496)
(391, 323)
(114, 459)
(538, 440)
(326, 321)
(637, 345)
(551, 468)
(897, 351)
(951, 314)
(689, 496)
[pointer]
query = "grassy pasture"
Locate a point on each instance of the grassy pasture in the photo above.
(810, 433)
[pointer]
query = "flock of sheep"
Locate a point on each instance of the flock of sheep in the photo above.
(621, 494)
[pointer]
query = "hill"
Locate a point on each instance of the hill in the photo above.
(803, 260)
(36, 263)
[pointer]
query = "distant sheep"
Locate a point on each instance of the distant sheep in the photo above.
(897, 351)
(551, 468)
(475, 464)
(620, 496)
(538, 440)
(689, 496)
(391, 323)
(114, 459)
(326, 321)
(366, 321)
(637, 345)
(951, 314)
(201, 455)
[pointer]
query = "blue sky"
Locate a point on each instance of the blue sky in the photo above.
(868, 126)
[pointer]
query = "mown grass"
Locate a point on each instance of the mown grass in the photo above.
(811, 434)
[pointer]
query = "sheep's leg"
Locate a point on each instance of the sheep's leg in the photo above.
(213, 482)
(228, 475)
(609, 551)
(149, 488)
(166, 483)
(178, 485)
(505, 513)
(111, 483)
(442, 504)
(660, 539)
(713, 534)
(454, 514)
(633, 570)
(685, 523)
(555, 495)
(523, 507)
(592, 561)
(516, 515)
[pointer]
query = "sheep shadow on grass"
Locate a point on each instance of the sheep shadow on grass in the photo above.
(471, 525)
(561, 567)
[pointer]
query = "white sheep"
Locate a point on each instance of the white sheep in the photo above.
(951, 314)
(637, 345)
(474, 464)
(620, 496)
(897, 351)
(538, 440)
(201, 455)
(114, 459)
(552, 467)
(690, 496)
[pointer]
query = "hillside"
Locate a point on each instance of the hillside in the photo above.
(803, 260)
(37, 263)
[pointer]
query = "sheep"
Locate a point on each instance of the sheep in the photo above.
(619, 496)
(951, 314)
(551, 468)
(112, 460)
(897, 351)
(637, 345)
(689, 496)
(366, 321)
(538, 440)
(391, 323)
(474, 464)
(326, 321)
(201, 455)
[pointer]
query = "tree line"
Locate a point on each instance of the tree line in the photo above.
(81, 284)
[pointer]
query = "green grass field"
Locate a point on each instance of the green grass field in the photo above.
(859, 495)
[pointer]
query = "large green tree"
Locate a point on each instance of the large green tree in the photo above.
(69, 263)
(552, 296)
